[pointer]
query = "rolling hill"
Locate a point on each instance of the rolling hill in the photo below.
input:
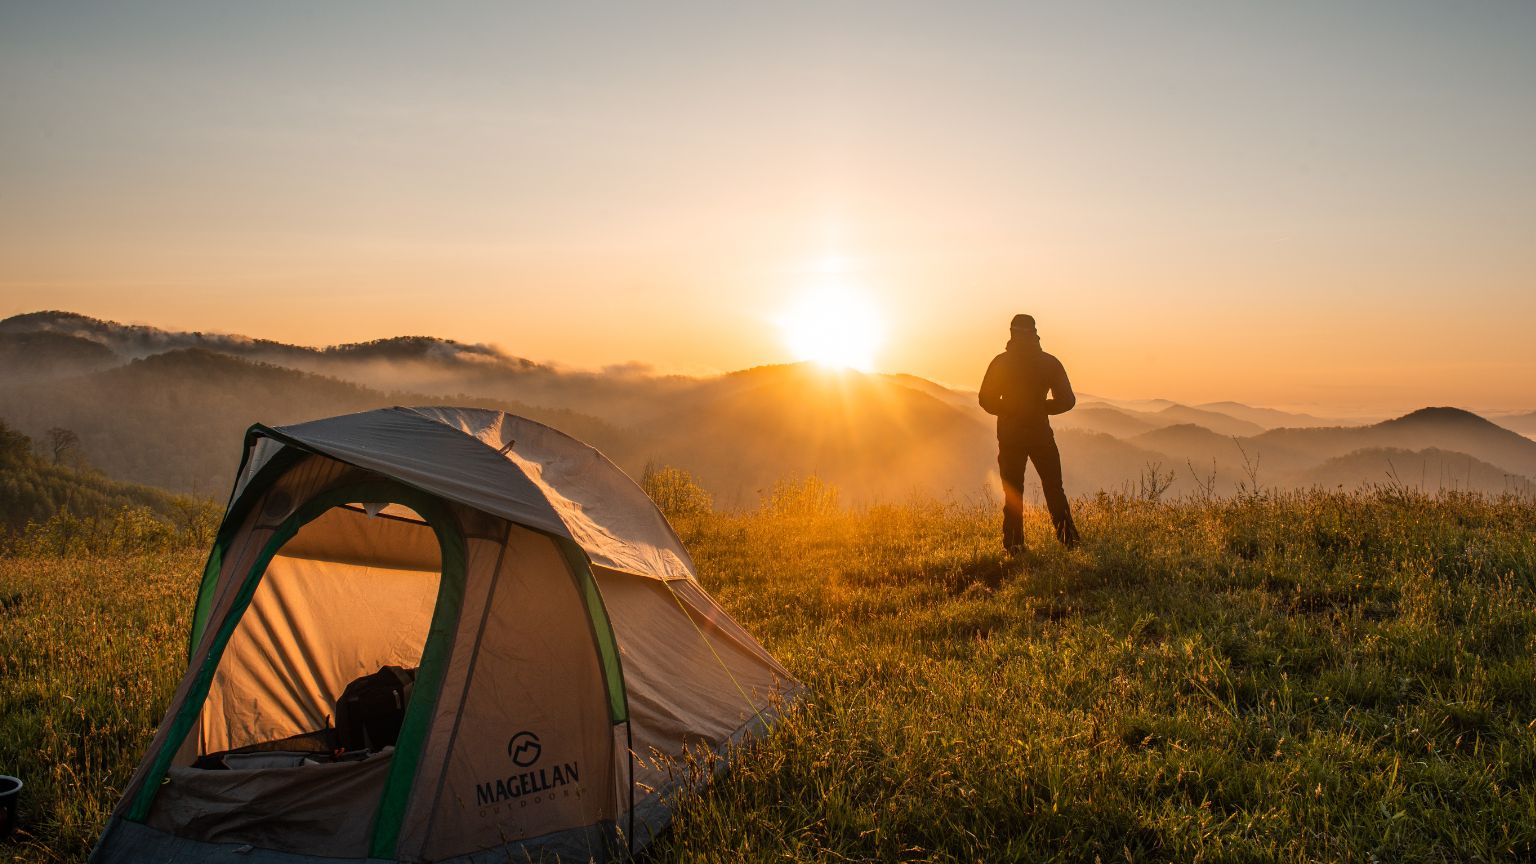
(1430, 470)
(1104, 419)
(1448, 429)
(1270, 418)
(34, 488)
(169, 409)
(38, 356)
(1525, 424)
(424, 365)
(175, 420)
(1219, 423)
(135, 341)
(872, 437)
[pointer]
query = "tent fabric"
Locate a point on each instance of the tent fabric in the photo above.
(572, 671)
(340, 574)
(274, 684)
(137, 843)
(547, 674)
(310, 810)
(653, 813)
(662, 631)
(430, 456)
(266, 511)
(604, 511)
(254, 525)
(258, 453)
(397, 538)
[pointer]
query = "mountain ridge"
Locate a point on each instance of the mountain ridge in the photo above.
(879, 436)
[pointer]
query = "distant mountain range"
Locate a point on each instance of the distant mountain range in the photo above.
(168, 409)
(1270, 418)
(1525, 423)
(1102, 417)
(177, 419)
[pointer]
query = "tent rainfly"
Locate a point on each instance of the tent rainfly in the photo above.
(440, 635)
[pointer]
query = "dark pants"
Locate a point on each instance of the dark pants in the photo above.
(1011, 459)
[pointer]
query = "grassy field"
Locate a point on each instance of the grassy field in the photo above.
(1315, 677)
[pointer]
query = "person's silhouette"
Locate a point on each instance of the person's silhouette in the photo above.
(1023, 387)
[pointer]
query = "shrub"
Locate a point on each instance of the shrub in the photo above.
(675, 492)
(125, 531)
(811, 496)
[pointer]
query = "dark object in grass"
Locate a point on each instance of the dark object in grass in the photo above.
(10, 790)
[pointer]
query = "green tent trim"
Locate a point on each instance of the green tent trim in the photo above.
(428, 678)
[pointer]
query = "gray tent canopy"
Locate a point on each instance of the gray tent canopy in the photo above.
(557, 659)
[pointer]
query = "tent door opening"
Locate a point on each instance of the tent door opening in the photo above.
(357, 580)
(324, 659)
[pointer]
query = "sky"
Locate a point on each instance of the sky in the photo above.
(1319, 205)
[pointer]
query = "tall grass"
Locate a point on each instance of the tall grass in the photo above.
(1289, 677)
(90, 650)
(1275, 677)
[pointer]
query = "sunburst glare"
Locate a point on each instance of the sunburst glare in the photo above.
(834, 326)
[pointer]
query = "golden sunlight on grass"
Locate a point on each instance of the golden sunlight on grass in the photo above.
(833, 326)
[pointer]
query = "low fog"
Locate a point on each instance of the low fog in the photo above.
(170, 409)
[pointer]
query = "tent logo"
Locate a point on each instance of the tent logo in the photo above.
(530, 785)
(525, 749)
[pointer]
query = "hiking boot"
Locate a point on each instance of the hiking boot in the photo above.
(1066, 532)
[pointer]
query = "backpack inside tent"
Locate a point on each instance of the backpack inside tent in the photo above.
(440, 635)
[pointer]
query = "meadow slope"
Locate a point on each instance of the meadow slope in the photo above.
(1290, 677)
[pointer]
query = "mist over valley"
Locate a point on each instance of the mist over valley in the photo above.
(168, 409)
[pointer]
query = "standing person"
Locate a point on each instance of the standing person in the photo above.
(1023, 387)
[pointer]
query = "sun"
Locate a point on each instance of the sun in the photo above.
(835, 327)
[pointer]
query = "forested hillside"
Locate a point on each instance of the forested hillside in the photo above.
(35, 487)
(170, 409)
(177, 420)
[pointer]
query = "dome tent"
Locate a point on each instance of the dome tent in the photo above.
(564, 655)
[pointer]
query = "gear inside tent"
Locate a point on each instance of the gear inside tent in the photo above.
(440, 635)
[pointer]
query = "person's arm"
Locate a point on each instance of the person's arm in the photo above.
(991, 395)
(1062, 398)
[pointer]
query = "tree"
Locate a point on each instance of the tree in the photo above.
(15, 448)
(62, 441)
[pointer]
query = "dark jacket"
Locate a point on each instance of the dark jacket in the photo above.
(1023, 387)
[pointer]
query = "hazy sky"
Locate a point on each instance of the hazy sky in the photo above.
(1325, 204)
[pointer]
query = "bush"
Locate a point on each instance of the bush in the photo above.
(811, 496)
(675, 492)
(126, 531)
